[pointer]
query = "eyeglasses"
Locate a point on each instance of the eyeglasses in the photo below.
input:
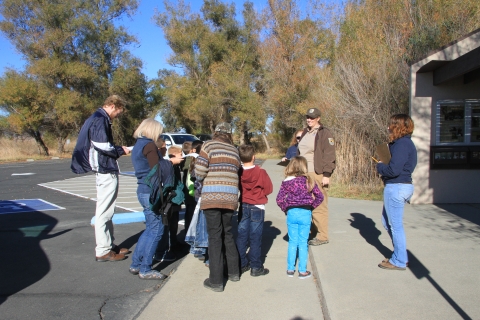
(299, 137)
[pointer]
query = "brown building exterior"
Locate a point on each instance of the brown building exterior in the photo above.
(445, 106)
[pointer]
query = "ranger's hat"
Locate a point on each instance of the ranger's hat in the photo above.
(313, 113)
(223, 127)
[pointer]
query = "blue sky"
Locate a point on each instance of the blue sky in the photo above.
(153, 49)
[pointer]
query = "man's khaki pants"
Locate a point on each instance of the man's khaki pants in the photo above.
(107, 190)
(319, 227)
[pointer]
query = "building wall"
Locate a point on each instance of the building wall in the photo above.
(440, 186)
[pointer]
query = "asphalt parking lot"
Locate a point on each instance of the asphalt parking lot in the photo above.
(48, 267)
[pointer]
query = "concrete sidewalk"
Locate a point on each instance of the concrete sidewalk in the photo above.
(274, 296)
(442, 282)
(443, 278)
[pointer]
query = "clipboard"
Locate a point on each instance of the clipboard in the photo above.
(383, 153)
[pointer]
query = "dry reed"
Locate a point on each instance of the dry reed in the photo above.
(18, 149)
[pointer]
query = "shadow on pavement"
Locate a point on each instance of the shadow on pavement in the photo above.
(458, 210)
(367, 229)
(371, 234)
(269, 234)
(23, 260)
(130, 241)
(420, 271)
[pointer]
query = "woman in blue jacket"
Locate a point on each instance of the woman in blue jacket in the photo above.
(397, 178)
(292, 150)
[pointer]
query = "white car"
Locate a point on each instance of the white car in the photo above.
(177, 138)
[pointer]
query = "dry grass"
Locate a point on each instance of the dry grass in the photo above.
(359, 192)
(272, 155)
(342, 190)
(21, 149)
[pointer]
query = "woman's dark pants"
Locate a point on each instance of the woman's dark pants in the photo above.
(220, 240)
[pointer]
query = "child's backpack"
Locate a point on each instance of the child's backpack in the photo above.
(161, 181)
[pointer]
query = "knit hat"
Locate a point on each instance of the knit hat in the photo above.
(223, 127)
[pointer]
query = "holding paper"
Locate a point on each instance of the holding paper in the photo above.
(383, 153)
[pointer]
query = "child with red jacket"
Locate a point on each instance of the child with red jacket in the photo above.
(255, 186)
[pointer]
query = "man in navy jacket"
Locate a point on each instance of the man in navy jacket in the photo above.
(96, 152)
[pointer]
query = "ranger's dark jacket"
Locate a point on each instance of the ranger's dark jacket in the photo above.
(324, 159)
(95, 150)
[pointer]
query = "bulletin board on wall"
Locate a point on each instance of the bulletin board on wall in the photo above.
(455, 157)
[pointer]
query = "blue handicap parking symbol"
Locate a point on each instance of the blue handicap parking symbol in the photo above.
(26, 205)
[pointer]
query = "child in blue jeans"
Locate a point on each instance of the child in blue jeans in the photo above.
(297, 197)
(255, 186)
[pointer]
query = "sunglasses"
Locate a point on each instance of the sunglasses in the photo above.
(311, 118)
(299, 137)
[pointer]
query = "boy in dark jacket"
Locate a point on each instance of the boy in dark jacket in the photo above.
(255, 186)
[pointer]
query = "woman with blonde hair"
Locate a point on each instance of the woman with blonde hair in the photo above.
(297, 197)
(397, 178)
(144, 158)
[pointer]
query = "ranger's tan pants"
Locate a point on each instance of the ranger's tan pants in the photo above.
(319, 227)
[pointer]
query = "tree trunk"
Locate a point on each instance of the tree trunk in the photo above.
(266, 142)
(244, 136)
(38, 138)
(61, 144)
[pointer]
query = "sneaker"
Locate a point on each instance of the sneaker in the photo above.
(290, 273)
(304, 275)
(317, 242)
(199, 256)
(152, 275)
(259, 272)
(234, 277)
(134, 271)
(111, 256)
(245, 269)
(385, 264)
(213, 287)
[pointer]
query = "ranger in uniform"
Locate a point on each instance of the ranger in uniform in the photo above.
(318, 147)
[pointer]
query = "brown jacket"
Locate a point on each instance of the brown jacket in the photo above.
(324, 151)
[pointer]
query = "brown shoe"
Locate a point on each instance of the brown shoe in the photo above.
(385, 264)
(386, 260)
(317, 242)
(119, 250)
(111, 256)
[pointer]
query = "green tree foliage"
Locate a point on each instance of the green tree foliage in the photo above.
(128, 81)
(27, 102)
(73, 51)
(293, 53)
(355, 67)
(220, 68)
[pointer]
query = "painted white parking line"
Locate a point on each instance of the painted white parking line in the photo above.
(84, 187)
(23, 174)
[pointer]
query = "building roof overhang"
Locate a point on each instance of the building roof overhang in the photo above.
(467, 65)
